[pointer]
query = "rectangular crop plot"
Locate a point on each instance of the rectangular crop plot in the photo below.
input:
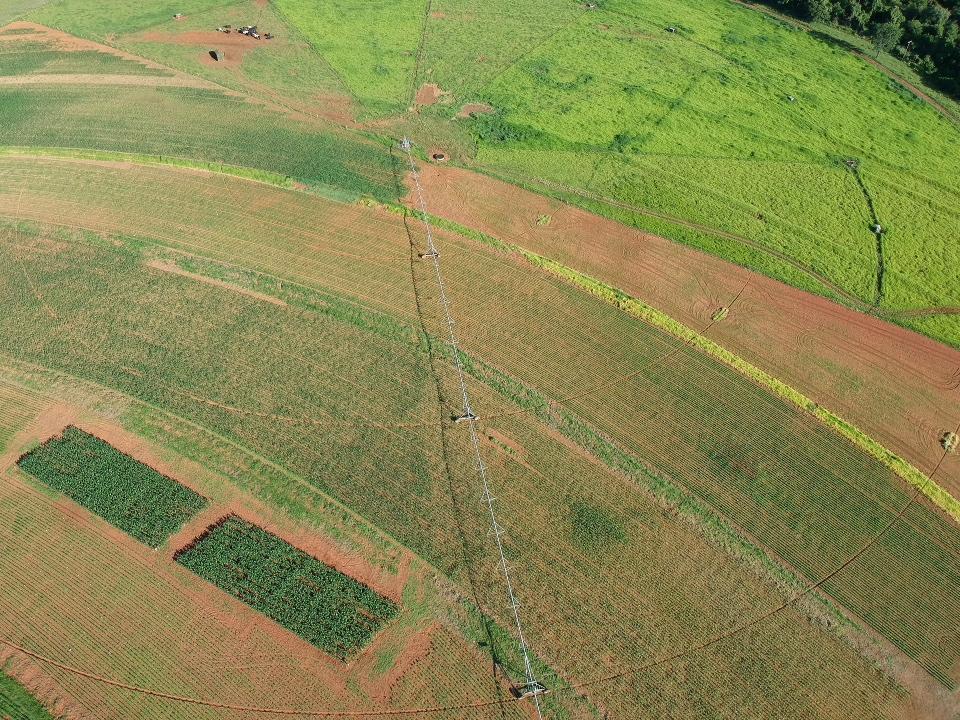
(320, 604)
(123, 491)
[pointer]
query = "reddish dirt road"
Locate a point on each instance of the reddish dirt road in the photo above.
(898, 386)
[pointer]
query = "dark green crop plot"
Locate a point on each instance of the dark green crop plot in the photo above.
(17, 704)
(126, 493)
(320, 604)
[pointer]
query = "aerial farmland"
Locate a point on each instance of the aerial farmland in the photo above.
(550, 360)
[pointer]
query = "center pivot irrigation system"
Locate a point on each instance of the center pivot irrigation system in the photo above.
(531, 687)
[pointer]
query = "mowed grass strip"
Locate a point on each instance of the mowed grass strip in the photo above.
(319, 603)
(17, 704)
(123, 491)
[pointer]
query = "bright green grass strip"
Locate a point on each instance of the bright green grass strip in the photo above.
(631, 305)
(17, 704)
(126, 493)
(320, 604)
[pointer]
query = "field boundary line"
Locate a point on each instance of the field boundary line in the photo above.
(637, 308)
(853, 166)
(421, 44)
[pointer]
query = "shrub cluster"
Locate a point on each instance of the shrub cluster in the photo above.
(925, 33)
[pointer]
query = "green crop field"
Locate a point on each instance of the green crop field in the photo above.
(25, 58)
(737, 505)
(320, 604)
(123, 491)
(17, 704)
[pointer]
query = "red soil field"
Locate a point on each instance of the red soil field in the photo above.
(897, 385)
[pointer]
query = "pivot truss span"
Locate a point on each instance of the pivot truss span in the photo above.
(531, 687)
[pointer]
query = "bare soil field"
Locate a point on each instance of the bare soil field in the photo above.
(429, 94)
(897, 385)
(233, 45)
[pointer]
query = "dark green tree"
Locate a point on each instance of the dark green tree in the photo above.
(887, 36)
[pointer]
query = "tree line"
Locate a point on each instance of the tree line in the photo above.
(923, 33)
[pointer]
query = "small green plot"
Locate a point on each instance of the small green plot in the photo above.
(17, 704)
(320, 604)
(126, 493)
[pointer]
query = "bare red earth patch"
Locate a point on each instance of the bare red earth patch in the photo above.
(473, 109)
(429, 94)
(232, 46)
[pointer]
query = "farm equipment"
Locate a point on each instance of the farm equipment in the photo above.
(468, 416)
(527, 690)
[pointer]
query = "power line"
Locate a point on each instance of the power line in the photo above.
(532, 687)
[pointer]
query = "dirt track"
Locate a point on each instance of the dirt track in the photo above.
(898, 386)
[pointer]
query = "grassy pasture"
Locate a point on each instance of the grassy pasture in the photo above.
(126, 493)
(699, 125)
(744, 453)
(17, 704)
(325, 607)
(484, 38)
(372, 45)
(107, 18)
(286, 67)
